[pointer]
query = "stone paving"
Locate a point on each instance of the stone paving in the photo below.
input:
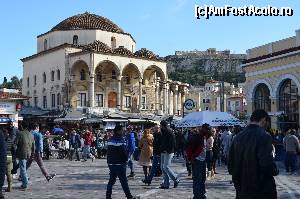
(80, 180)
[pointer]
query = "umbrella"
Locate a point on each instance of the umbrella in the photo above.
(213, 118)
(57, 130)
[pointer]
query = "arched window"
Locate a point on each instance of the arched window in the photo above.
(34, 79)
(82, 75)
(75, 39)
(127, 79)
(99, 76)
(45, 44)
(58, 99)
(113, 43)
(262, 98)
(288, 102)
(44, 78)
(58, 74)
(52, 75)
(28, 82)
(113, 74)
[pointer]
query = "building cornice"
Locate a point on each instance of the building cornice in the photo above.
(273, 69)
(49, 51)
(272, 56)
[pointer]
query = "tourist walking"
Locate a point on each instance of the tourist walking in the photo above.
(156, 154)
(146, 146)
(216, 149)
(88, 139)
(38, 153)
(25, 147)
(167, 153)
(2, 162)
(130, 142)
(13, 131)
(117, 157)
(196, 153)
(209, 155)
(291, 147)
(253, 176)
(75, 145)
(9, 140)
(187, 137)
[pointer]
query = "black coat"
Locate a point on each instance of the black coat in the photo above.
(2, 159)
(168, 141)
(157, 144)
(251, 164)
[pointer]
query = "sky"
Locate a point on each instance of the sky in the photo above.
(163, 26)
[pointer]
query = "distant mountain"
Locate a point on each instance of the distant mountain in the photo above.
(196, 67)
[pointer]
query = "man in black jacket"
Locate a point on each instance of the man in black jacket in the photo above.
(250, 160)
(117, 157)
(167, 153)
(2, 162)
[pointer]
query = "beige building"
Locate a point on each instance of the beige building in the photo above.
(89, 63)
(273, 80)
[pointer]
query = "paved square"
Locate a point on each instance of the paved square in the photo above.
(87, 180)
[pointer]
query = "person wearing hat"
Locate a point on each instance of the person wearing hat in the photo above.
(117, 157)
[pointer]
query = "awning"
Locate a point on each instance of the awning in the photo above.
(5, 120)
(74, 116)
(137, 120)
(92, 120)
(114, 120)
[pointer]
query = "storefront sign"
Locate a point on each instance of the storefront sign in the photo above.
(7, 108)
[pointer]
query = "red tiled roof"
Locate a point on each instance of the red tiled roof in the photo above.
(12, 96)
(282, 52)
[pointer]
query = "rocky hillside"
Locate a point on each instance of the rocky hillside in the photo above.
(196, 67)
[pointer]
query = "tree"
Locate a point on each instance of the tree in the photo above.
(14, 83)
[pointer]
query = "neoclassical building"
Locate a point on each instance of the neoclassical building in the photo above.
(87, 62)
(273, 80)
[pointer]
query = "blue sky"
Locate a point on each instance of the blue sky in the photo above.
(163, 26)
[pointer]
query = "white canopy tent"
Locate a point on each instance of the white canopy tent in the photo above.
(213, 118)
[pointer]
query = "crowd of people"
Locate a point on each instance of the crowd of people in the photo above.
(249, 153)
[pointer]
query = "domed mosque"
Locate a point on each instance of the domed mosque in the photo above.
(88, 63)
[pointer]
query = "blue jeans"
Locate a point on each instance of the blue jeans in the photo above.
(166, 159)
(199, 177)
(130, 163)
(154, 169)
(120, 172)
(23, 173)
(87, 152)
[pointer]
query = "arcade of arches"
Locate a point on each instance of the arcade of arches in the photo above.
(130, 89)
(286, 101)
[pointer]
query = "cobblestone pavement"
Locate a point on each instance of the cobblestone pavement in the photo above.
(87, 180)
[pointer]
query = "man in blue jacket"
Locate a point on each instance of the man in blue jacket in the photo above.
(117, 157)
(75, 145)
(130, 142)
(38, 154)
(2, 162)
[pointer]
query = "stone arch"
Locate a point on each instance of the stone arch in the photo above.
(131, 74)
(261, 97)
(151, 71)
(106, 69)
(257, 83)
(282, 79)
(77, 68)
